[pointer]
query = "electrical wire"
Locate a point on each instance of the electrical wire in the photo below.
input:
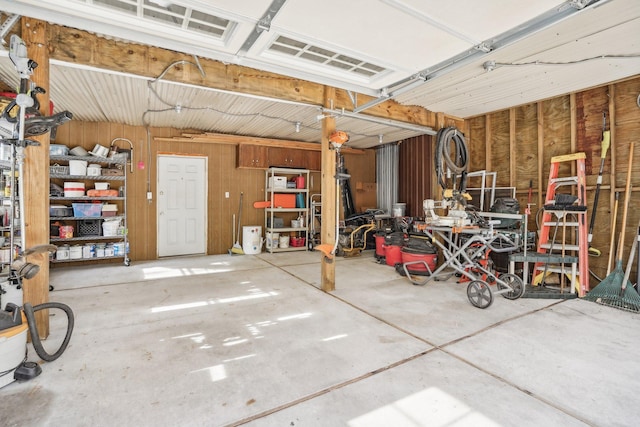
(578, 61)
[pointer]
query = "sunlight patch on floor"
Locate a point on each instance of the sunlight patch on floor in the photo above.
(430, 407)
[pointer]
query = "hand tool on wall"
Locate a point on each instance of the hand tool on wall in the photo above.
(606, 140)
(529, 198)
(613, 290)
(613, 234)
(237, 249)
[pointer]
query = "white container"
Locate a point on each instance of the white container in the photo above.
(118, 249)
(252, 239)
(100, 250)
(78, 151)
(101, 185)
(77, 167)
(58, 150)
(284, 241)
(94, 170)
(296, 223)
(88, 250)
(277, 182)
(99, 151)
(75, 252)
(110, 227)
(272, 240)
(399, 209)
(73, 189)
(63, 252)
(108, 250)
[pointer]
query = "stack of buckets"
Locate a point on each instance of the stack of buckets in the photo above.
(397, 248)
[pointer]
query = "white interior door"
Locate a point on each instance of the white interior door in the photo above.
(182, 201)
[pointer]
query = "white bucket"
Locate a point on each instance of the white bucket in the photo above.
(75, 252)
(77, 167)
(252, 239)
(110, 227)
(73, 189)
(284, 241)
(272, 240)
(399, 209)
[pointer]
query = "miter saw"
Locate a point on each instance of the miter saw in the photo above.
(26, 100)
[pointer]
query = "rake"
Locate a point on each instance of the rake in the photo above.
(613, 290)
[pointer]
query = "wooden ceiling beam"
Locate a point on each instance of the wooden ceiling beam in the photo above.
(84, 48)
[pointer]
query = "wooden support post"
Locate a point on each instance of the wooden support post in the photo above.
(36, 177)
(513, 150)
(612, 148)
(540, 153)
(329, 191)
(574, 129)
(488, 165)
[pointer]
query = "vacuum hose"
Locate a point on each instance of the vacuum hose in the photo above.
(29, 311)
(457, 165)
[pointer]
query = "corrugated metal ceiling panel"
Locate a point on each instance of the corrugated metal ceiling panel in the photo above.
(93, 95)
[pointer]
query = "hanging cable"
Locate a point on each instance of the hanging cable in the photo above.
(457, 164)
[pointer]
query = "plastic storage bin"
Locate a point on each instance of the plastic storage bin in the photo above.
(87, 209)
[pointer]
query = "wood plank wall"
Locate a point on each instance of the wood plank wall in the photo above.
(518, 144)
(223, 176)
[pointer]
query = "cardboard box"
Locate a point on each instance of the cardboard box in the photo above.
(277, 182)
(284, 200)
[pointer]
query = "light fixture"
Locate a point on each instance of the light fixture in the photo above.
(297, 127)
(489, 66)
(178, 108)
(380, 138)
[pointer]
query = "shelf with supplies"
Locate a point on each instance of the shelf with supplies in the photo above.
(87, 207)
(286, 216)
(10, 225)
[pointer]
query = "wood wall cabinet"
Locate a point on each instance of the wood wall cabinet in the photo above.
(263, 157)
(286, 157)
(313, 160)
(253, 156)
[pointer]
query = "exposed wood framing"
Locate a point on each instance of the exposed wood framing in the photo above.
(80, 47)
(561, 125)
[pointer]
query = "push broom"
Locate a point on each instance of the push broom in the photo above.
(613, 290)
(236, 248)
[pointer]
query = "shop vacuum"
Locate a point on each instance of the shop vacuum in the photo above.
(15, 321)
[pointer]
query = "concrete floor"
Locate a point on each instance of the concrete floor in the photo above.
(251, 340)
